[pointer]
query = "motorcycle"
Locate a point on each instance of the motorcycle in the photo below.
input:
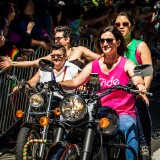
(37, 133)
(92, 129)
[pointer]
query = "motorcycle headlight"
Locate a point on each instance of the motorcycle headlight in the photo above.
(73, 107)
(36, 100)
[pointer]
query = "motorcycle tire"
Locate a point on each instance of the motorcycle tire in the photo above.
(63, 151)
(25, 134)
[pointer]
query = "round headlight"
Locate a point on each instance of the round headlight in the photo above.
(36, 100)
(73, 107)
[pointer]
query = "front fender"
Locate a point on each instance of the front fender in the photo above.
(30, 124)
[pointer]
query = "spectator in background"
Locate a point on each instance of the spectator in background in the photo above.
(75, 21)
(39, 35)
(56, 14)
(12, 42)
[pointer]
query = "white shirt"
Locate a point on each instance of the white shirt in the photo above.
(68, 72)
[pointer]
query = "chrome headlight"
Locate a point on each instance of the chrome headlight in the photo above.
(73, 107)
(36, 100)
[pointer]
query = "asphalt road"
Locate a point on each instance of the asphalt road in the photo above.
(7, 152)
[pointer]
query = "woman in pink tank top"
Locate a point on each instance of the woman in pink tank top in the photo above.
(113, 69)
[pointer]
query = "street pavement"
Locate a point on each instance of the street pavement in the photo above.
(6, 154)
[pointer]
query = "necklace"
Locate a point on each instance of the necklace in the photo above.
(70, 53)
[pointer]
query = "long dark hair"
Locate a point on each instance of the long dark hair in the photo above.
(118, 36)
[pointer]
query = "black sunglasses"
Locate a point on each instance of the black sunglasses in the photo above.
(57, 55)
(108, 40)
(124, 24)
(58, 38)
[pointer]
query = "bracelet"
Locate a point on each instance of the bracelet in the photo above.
(14, 63)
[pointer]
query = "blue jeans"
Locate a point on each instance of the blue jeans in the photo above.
(127, 124)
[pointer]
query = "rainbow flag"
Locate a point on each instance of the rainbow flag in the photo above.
(14, 53)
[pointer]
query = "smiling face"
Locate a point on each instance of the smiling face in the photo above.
(108, 43)
(58, 58)
(123, 24)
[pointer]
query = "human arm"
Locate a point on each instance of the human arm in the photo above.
(40, 43)
(2, 41)
(93, 20)
(79, 80)
(9, 63)
(146, 58)
(87, 53)
(35, 79)
(137, 80)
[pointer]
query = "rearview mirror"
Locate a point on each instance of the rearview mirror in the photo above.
(143, 70)
(46, 65)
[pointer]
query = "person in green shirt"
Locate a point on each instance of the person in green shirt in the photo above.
(139, 53)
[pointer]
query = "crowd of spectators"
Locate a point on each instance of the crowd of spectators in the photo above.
(27, 24)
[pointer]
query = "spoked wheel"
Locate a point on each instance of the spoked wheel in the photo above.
(26, 134)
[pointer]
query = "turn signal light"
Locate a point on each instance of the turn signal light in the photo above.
(57, 111)
(44, 121)
(104, 122)
(19, 113)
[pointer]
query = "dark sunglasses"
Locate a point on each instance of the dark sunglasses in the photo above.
(124, 24)
(58, 38)
(57, 55)
(108, 40)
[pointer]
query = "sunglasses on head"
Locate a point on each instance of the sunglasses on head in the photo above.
(108, 40)
(58, 38)
(124, 24)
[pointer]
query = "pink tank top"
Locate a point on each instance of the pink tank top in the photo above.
(121, 101)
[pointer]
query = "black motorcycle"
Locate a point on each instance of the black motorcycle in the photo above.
(37, 133)
(89, 131)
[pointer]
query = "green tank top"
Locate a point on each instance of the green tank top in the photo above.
(131, 53)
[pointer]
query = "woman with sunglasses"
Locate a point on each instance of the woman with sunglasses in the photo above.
(113, 68)
(139, 53)
(63, 69)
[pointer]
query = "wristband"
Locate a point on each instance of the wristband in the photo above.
(14, 63)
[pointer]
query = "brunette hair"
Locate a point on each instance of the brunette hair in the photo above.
(65, 29)
(58, 46)
(118, 36)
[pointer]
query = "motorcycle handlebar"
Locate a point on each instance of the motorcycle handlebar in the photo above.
(122, 87)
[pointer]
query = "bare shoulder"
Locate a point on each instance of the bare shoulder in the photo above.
(82, 48)
(129, 65)
(142, 45)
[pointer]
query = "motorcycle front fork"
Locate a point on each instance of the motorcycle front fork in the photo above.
(42, 145)
(87, 144)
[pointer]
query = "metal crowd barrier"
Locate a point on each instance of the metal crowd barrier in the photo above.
(8, 105)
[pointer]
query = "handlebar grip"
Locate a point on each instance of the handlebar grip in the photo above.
(137, 91)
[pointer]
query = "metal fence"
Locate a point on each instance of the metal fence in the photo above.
(8, 105)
